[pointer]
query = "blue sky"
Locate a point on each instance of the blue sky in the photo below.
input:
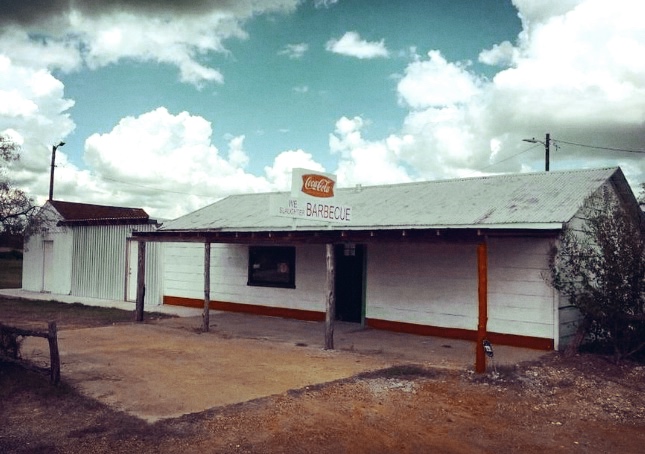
(171, 105)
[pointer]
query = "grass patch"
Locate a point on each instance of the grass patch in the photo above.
(35, 313)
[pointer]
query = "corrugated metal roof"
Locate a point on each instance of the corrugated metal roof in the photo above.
(75, 213)
(544, 200)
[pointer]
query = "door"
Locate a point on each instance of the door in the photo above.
(131, 264)
(350, 273)
(48, 265)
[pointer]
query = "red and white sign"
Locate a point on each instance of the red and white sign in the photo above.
(308, 187)
(317, 185)
(307, 184)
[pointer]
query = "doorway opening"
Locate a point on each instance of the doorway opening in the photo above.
(350, 282)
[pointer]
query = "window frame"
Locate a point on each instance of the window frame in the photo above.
(272, 255)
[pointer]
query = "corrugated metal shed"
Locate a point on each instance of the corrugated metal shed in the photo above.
(544, 200)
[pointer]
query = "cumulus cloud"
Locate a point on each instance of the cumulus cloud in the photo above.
(352, 45)
(34, 111)
(71, 34)
(173, 153)
(435, 82)
(279, 174)
(294, 51)
(575, 71)
(363, 161)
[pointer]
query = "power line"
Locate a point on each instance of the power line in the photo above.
(154, 189)
(598, 148)
(510, 157)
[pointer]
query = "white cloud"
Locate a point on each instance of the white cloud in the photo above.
(279, 174)
(366, 162)
(576, 72)
(352, 45)
(503, 54)
(33, 107)
(174, 154)
(435, 82)
(236, 154)
(294, 51)
(324, 3)
(65, 36)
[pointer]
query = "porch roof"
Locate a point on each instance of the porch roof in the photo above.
(531, 203)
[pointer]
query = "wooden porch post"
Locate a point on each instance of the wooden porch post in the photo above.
(482, 277)
(141, 280)
(330, 298)
(207, 287)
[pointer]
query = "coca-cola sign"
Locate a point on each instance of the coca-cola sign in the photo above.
(317, 185)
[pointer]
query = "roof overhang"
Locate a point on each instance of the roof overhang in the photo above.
(457, 235)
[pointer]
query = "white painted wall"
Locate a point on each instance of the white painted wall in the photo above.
(183, 276)
(422, 283)
(427, 284)
(520, 300)
(59, 273)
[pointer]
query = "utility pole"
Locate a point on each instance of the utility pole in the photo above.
(51, 174)
(547, 141)
(547, 146)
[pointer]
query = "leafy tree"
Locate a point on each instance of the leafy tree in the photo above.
(15, 207)
(600, 267)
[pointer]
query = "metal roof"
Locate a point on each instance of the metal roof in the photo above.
(541, 201)
(85, 213)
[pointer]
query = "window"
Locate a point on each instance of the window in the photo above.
(272, 266)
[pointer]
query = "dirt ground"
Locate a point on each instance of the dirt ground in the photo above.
(315, 401)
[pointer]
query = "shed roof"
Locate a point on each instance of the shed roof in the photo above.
(88, 214)
(536, 201)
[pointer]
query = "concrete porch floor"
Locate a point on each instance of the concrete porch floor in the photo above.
(395, 347)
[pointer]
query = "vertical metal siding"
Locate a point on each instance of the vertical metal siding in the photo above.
(99, 263)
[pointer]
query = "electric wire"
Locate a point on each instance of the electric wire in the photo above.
(597, 147)
(511, 157)
(155, 189)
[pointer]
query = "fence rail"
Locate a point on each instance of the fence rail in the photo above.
(52, 338)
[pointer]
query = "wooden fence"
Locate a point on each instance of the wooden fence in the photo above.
(52, 337)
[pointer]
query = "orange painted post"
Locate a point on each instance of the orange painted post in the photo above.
(482, 277)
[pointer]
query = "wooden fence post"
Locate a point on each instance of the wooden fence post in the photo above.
(141, 280)
(330, 298)
(54, 357)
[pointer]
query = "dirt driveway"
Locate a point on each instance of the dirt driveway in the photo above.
(169, 368)
(164, 368)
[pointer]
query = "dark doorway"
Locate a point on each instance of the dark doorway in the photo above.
(350, 265)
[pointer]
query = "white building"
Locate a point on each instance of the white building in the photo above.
(418, 257)
(83, 250)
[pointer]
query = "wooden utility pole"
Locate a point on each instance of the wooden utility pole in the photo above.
(51, 172)
(546, 151)
(330, 297)
(207, 287)
(482, 273)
